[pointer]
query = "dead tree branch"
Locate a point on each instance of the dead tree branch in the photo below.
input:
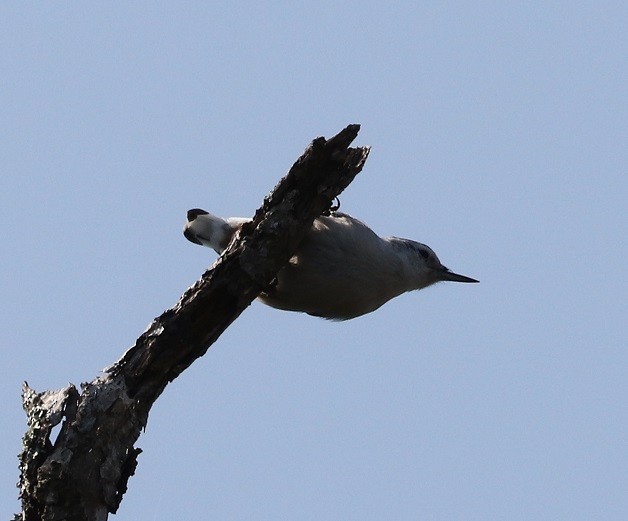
(83, 474)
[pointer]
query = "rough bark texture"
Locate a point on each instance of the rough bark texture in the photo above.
(83, 474)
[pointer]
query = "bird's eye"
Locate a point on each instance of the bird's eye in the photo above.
(424, 253)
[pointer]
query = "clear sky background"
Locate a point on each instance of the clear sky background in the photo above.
(500, 138)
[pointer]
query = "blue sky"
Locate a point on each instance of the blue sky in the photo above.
(499, 134)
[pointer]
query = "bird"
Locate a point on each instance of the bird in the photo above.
(341, 270)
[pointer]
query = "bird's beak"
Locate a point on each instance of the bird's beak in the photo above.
(190, 236)
(454, 277)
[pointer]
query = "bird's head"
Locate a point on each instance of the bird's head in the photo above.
(425, 264)
(196, 226)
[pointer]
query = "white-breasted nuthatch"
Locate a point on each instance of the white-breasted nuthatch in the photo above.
(341, 270)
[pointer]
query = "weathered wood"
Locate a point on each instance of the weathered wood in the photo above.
(83, 474)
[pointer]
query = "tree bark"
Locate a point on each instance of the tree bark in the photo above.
(83, 474)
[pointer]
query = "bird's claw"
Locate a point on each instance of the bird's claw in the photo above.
(333, 207)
